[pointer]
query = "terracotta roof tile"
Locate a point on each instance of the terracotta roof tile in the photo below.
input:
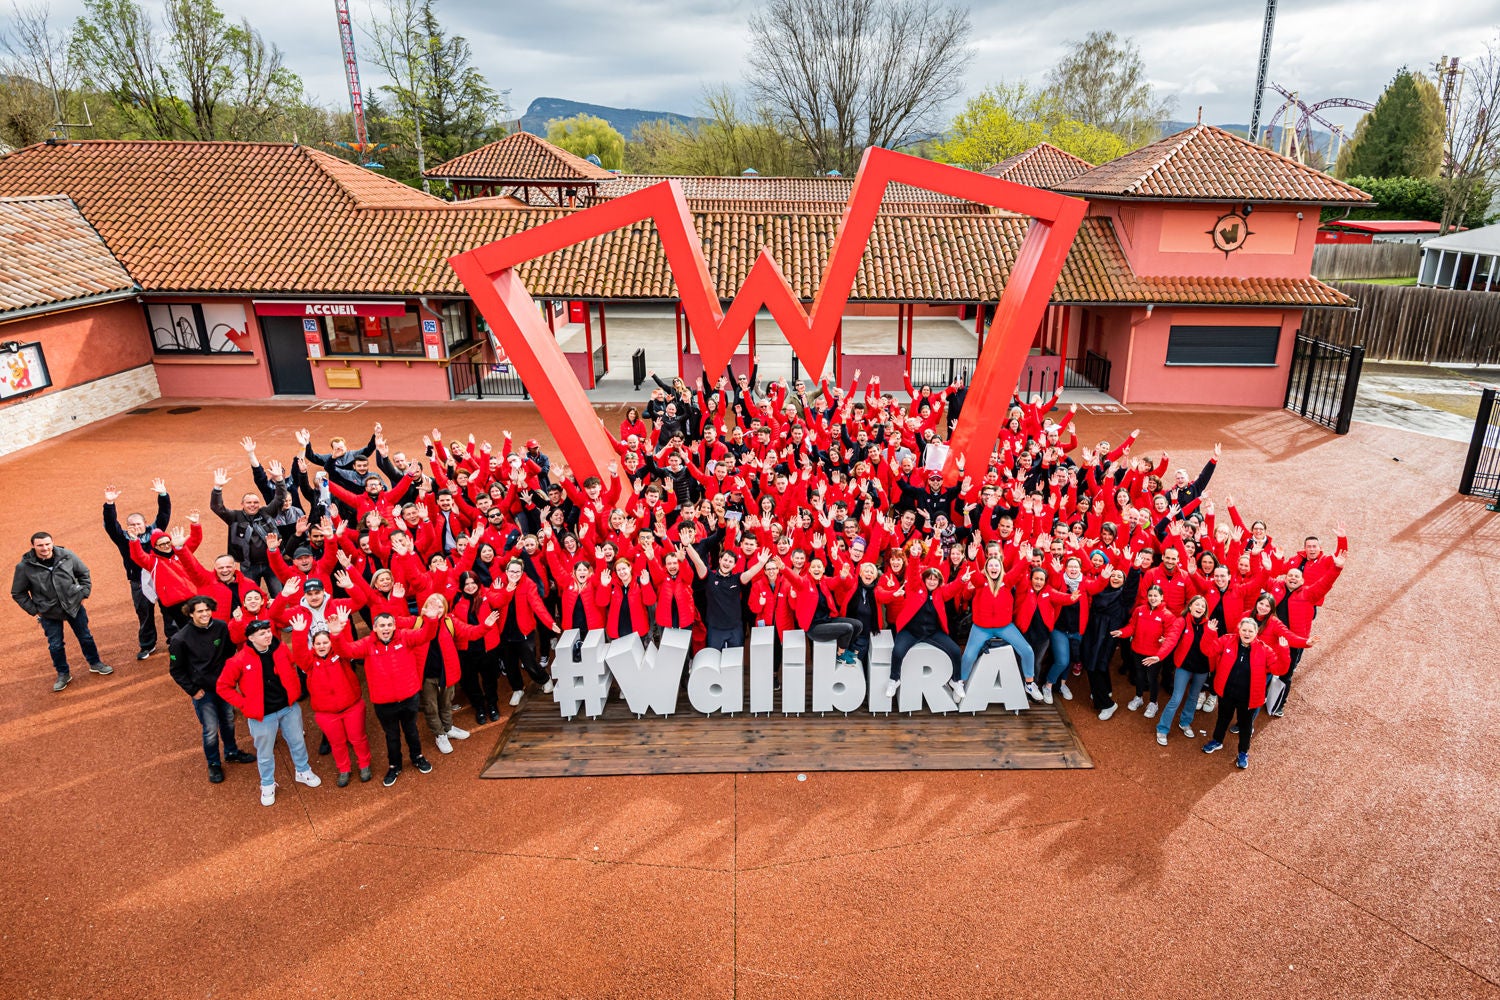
(519, 157)
(280, 219)
(797, 190)
(1043, 166)
(50, 255)
(1205, 163)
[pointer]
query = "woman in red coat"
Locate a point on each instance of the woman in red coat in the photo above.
(625, 600)
(1153, 631)
(520, 608)
(1241, 665)
(923, 618)
(333, 692)
(478, 658)
(262, 682)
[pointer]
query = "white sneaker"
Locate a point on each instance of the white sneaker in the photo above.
(1211, 703)
(1202, 696)
(268, 795)
(454, 733)
(891, 688)
(544, 661)
(1033, 692)
(515, 699)
(1111, 710)
(1161, 738)
(1136, 703)
(958, 691)
(442, 743)
(1188, 731)
(1151, 710)
(1063, 687)
(309, 779)
(1047, 693)
(547, 687)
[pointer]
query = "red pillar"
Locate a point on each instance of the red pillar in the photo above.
(751, 362)
(547, 308)
(1067, 315)
(979, 329)
(684, 339)
(838, 355)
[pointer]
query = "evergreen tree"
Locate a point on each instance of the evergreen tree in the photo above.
(1402, 136)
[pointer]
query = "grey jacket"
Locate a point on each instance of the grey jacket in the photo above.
(53, 590)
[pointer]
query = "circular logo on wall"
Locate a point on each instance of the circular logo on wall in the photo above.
(1230, 232)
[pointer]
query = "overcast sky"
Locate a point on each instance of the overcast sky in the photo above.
(661, 54)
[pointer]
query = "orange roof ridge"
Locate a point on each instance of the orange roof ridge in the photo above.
(1043, 165)
(517, 158)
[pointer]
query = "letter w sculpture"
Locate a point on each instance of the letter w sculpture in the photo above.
(488, 272)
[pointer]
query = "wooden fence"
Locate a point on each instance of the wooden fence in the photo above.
(1410, 323)
(1332, 261)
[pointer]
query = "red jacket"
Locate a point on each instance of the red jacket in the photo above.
(392, 670)
(529, 606)
(771, 604)
(1176, 590)
(573, 598)
(449, 633)
(331, 683)
(835, 590)
(1302, 604)
(208, 584)
(996, 609)
(1153, 631)
(676, 590)
(242, 686)
(169, 575)
(608, 597)
(1047, 602)
(1222, 652)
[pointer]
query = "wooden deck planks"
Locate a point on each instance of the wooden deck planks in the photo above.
(537, 742)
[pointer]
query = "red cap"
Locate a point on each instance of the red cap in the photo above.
(533, 443)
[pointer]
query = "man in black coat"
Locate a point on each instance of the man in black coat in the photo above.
(198, 653)
(248, 528)
(51, 584)
(133, 530)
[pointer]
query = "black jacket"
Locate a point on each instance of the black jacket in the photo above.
(116, 532)
(198, 656)
(54, 589)
(247, 534)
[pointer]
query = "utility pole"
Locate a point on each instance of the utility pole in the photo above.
(1265, 62)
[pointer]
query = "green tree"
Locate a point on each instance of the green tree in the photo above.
(1402, 136)
(1006, 119)
(1102, 82)
(584, 135)
(725, 143)
(460, 107)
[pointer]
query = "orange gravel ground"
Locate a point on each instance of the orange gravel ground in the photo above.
(1358, 857)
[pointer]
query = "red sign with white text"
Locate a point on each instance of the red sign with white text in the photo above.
(375, 309)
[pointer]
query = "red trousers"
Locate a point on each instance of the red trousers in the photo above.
(346, 726)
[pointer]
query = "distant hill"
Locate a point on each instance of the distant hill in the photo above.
(625, 120)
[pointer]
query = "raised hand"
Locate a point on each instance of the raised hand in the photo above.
(194, 516)
(303, 437)
(221, 477)
(248, 443)
(292, 586)
(398, 591)
(159, 486)
(111, 494)
(299, 624)
(343, 579)
(273, 540)
(179, 536)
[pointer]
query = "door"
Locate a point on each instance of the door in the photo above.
(286, 355)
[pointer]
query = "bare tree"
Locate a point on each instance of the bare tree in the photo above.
(1102, 82)
(841, 75)
(1472, 160)
(38, 82)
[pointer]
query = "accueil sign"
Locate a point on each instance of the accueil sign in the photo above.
(737, 680)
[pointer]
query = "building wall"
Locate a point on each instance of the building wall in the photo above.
(1141, 374)
(1162, 238)
(33, 419)
(221, 376)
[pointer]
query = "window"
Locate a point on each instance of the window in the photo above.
(195, 328)
(375, 335)
(456, 324)
(1223, 345)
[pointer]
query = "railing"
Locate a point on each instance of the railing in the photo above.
(1323, 382)
(480, 380)
(1481, 475)
(1088, 372)
(601, 362)
(638, 367)
(940, 372)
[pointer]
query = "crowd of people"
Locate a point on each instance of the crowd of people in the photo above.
(822, 510)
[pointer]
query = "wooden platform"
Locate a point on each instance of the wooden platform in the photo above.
(537, 742)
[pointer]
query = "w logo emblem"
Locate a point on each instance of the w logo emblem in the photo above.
(488, 274)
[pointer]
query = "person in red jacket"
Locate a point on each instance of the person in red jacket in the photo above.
(394, 677)
(1153, 631)
(520, 607)
(922, 619)
(164, 573)
(1297, 599)
(994, 617)
(333, 691)
(478, 659)
(262, 682)
(1241, 664)
(625, 599)
(440, 667)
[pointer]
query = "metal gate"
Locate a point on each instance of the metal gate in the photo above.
(1481, 475)
(1323, 381)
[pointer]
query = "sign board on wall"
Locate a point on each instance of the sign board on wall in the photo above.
(312, 335)
(432, 341)
(268, 307)
(23, 371)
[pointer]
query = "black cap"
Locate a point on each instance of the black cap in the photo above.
(302, 551)
(312, 583)
(259, 625)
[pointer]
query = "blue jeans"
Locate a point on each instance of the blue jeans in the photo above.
(1185, 688)
(216, 716)
(979, 635)
(288, 722)
(53, 627)
(1065, 649)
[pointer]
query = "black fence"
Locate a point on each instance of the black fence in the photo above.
(638, 367)
(1323, 382)
(1088, 372)
(1481, 475)
(939, 372)
(481, 380)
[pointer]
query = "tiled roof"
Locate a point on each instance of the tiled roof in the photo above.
(49, 255)
(1204, 163)
(1043, 166)
(766, 207)
(517, 158)
(268, 219)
